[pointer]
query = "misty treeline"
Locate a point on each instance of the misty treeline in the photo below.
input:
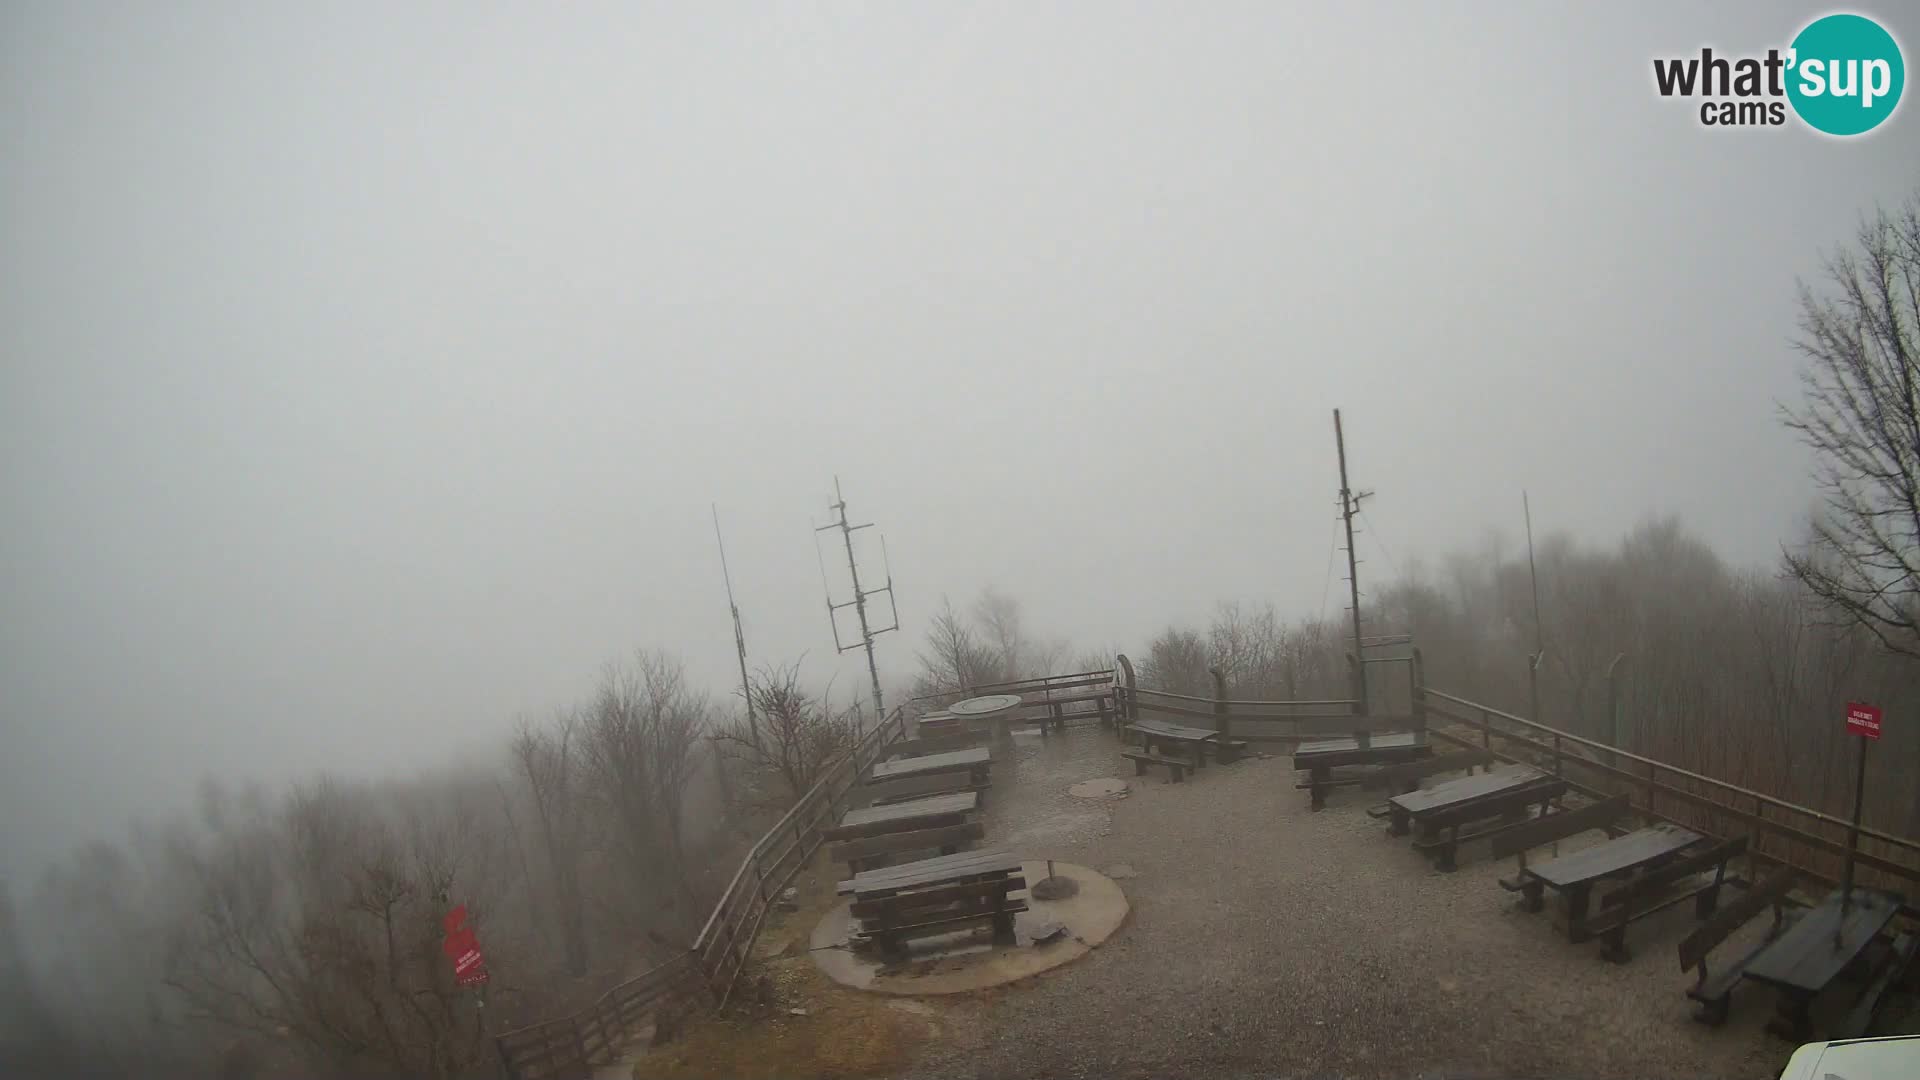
(1735, 673)
(1738, 673)
(298, 932)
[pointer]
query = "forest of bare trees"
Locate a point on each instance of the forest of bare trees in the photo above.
(299, 932)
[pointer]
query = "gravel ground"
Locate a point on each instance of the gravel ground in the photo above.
(1266, 940)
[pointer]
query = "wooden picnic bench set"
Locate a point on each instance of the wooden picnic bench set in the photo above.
(921, 796)
(1637, 872)
(1178, 747)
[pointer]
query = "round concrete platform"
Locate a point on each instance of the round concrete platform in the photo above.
(958, 963)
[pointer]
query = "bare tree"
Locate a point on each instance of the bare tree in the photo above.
(799, 735)
(639, 734)
(1861, 416)
(954, 657)
(547, 761)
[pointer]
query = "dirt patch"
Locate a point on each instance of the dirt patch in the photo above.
(787, 1021)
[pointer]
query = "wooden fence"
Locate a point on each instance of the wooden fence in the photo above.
(570, 1047)
(1779, 832)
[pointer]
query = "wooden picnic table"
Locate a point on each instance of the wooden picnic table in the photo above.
(1575, 875)
(974, 761)
(1804, 960)
(1445, 808)
(927, 813)
(1191, 740)
(936, 896)
(1319, 757)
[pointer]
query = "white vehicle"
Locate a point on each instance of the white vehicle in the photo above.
(1895, 1057)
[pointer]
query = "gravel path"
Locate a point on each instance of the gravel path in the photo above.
(1266, 940)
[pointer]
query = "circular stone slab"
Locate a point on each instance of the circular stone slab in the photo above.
(984, 706)
(1073, 927)
(1104, 788)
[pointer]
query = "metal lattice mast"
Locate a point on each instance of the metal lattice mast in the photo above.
(859, 602)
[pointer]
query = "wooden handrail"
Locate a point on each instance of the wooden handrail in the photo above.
(1627, 755)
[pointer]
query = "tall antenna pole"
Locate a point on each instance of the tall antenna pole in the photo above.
(1539, 640)
(1350, 505)
(739, 636)
(1539, 643)
(859, 602)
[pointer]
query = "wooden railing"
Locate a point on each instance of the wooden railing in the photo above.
(1780, 832)
(571, 1046)
(1035, 691)
(726, 941)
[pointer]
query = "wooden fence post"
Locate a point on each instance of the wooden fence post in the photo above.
(1417, 695)
(1357, 674)
(1222, 721)
(1129, 709)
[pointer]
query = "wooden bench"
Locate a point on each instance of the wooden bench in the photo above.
(1714, 990)
(913, 787)
(1319, 758)
(1553, 828)
(1176, 767)
(1858, 1022)
(1406, 775)
(924, 745)
(1055, 718)
(888, 923)
(1657, 890)
(869, 852)
(1442, 830)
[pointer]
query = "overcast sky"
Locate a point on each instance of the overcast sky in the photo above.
(367, 371)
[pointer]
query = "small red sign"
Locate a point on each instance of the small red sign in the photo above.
(463, 948)
(1863, 719)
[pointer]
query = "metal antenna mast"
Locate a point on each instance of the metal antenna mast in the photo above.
(859, 602)
(739, 636)
(1349, 506)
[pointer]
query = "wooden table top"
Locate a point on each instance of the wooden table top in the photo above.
(1399, 742)
(951, 761)
(1164, 730)
(912, 810)
(1468, 789)
(1616, 856)
(1804, 958)
(933, 871)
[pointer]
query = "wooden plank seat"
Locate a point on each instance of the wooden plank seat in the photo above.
(924, 745)
(973, 761)
(935, 724)
(1443, 832)
(1713, 989)
(1176, 767)
(1319, 758)
(1657, 890)
(1859, 1021)
(1444, 812)
(1604, 815)
(914, 787)
(932, 812)
(1827, 940)
(1405, 776)
(1054, 714)
(1161, 736)
(869, 852)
